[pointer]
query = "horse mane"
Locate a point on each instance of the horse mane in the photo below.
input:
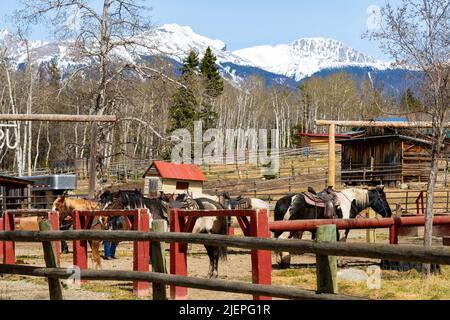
(361, 196)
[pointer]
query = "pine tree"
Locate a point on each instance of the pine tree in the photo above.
(213, 79)
(409, 102)
(190, 65)
(214, 87)
(183, 112)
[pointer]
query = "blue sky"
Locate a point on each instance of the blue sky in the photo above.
(245, 23)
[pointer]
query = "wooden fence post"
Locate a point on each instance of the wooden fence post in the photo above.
(1, 242)
(158, 260)
(54, 286)
(327, 265)
(371, 233)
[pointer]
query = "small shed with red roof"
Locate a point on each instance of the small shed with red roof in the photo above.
(173, 178)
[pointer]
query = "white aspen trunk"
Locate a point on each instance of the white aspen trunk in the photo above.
(36, 158)
(29, 109)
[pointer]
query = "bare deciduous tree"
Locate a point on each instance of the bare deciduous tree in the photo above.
(417, 35)
(106, 41)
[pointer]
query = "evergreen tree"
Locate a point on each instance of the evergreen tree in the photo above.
(214, 87)
(410, 102)
(213, 79)
(183, 112)
(190, 65)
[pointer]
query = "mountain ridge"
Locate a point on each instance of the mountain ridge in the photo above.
(283, 64)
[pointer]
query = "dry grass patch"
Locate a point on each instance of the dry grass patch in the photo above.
(394, 286)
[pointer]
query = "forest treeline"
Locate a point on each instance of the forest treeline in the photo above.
(150, 109)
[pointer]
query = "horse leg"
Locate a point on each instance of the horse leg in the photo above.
(210, 251)
(341, 261)
(97, 262)
(216, 251)
(284, 258)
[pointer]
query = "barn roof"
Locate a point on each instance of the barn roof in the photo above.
(175, 171)
(386, 137)
(13, 182)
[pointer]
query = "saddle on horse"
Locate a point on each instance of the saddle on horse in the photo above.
(326, 199)
(244, 204)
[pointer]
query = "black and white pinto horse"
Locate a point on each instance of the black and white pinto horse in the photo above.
(160, 210)
(352, 203)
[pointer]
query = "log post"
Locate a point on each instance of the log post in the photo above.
(158, 260)
(93, 161)
(371, 233)
(332, 156)
(54, 286)
(326, 265)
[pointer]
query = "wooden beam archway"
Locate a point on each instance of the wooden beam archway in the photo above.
(93, 119)
(332, 124)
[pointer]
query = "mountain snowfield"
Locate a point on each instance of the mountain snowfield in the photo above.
(305, 57)
(281, 64)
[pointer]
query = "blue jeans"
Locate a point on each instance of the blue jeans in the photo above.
(110, 248)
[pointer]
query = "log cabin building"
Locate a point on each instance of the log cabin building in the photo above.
(15, 193)
(388, 156)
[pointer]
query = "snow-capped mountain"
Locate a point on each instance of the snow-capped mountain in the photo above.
(305, 57)
(285, 64)
(177, 42)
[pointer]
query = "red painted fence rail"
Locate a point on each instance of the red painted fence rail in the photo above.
(394, 224)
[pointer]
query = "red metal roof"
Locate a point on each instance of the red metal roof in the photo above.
(174, 171)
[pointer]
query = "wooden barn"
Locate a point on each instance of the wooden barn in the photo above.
(15, 193)
(388, 156)
(307, 140)
(173, 178)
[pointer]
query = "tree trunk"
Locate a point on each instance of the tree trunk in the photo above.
(430, 208)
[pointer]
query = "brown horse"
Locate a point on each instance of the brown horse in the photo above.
(67, 206)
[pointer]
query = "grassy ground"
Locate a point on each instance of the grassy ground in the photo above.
(394, 285)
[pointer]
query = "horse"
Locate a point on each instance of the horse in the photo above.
(160, 208)
(208, 225)
(352, 203)
(66, 206)
(132, 200)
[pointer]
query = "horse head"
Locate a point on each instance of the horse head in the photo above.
(60, 207)
(378, 201)
(105, 199)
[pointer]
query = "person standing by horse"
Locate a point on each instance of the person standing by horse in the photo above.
(110, 247)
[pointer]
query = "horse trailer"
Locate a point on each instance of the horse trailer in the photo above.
(46, 189)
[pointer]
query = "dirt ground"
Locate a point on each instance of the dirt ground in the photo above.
(237, 268)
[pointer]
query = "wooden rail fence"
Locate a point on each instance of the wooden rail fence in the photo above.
(439, 255)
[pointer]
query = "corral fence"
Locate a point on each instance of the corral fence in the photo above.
(323, 248)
